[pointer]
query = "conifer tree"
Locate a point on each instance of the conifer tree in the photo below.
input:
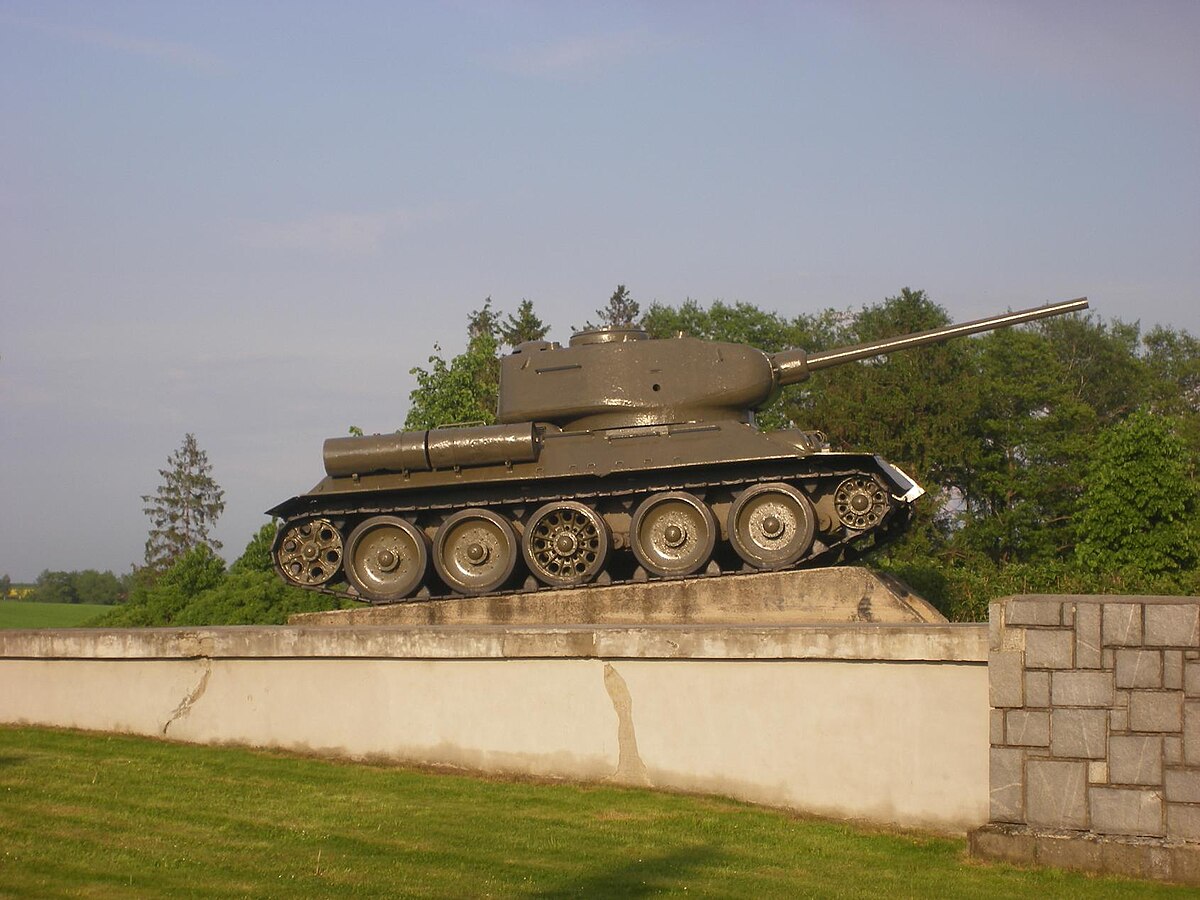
(184, 508)
(621, 312)
(524, 325)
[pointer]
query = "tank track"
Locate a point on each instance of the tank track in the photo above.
(516, 504)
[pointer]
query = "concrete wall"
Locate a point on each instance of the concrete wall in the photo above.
(882, 723)
(1095, 733)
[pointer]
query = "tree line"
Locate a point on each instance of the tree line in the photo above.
(1058, 456)
(86, 586)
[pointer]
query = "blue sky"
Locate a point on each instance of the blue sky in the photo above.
(250, 220)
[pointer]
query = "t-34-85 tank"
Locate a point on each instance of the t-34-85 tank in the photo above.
(617, 457)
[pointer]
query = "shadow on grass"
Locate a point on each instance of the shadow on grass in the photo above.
(641, 877)
(11, 760)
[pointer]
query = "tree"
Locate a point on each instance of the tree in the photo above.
(5, 584)
(462, 390)
(92, 586)
(158, 601)
(88, 586)
(1137, 514)
(197, 590)
(524, 325)
(1172, 362)
(184, 508)
(621, 312)
(54, 587)
(465, 388)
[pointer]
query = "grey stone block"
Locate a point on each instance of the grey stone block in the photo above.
(1122, 624)
(1185, 863)
(1139, 669)
(1098, 772)
(1033, 611)
(1126, 811)
(1049, 648)
(1159, 862)
(1183, 822)
(1118, 719)
(1182, 785)
(1068, 614)
(1067, 852)
(991, 842)
(1080, 733)
(1191, 678)
(1172, 625)
(1135, 759)
(1005, 681)
(1006, 776)
(1087, 636)
(1155, 711)
(995, 623)
(1081, 689)
(1173, 669)
(1056, 793)
(1173, 749)
(996, 726)
(1119, 857)
(1028, 728)
(1191, 733)
(1106, 658)
(1037, 690)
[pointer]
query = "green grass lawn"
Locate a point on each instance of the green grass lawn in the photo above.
(108, 816)
(23, 614)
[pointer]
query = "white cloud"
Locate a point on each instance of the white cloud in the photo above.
(1104, 45)
(172, 53)
(572, 55)
(338, 233)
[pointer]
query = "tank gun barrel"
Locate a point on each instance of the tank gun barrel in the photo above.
(793, 366)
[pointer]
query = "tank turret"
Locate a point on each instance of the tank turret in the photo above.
(619, 378)
(616, 457)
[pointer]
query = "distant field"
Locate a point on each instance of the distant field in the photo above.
(22, 614)
(112, 816)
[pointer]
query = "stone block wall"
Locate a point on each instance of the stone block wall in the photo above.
(1095, 723)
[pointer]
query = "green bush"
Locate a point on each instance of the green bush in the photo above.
(197, 590)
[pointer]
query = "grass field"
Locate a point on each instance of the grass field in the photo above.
(107, 816)
(23, 614)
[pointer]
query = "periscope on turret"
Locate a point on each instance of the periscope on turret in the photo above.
(617, 457)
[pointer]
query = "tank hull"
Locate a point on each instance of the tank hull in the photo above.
(593, 507)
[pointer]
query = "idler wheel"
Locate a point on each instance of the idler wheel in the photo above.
(673, 534)
(771, 526)
(565, 542)
(861, 503)
(475, 551)
(309, 552)
(386, 558)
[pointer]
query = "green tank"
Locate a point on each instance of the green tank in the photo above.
(615, 458)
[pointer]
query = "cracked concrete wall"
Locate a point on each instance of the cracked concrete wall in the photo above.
(894, 742)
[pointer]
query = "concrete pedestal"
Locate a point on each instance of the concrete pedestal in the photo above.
(837, 595)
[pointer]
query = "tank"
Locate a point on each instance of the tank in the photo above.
(615, 458)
